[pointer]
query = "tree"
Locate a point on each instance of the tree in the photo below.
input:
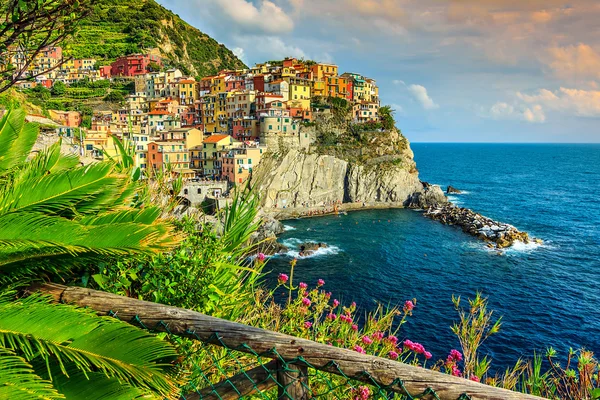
(114, 97)
(27, 27)
(386, 115)
(56, 215)
(58, 89)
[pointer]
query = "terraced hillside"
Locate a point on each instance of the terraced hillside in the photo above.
(120, 27)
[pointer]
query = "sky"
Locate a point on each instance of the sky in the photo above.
(453, 70)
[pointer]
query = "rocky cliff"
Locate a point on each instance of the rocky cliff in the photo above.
(298, 181)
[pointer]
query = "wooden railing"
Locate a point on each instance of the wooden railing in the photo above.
(361, 367)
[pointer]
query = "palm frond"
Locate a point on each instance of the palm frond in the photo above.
(53, 240)
(18, 380)
(240, 220)
(17, 138)
(88, 189)
(35, 328)
(94, 385)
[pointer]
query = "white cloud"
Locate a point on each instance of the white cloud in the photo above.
(398, 82)
(240, 53)
(271, 48)
(581, 103)
(420, 94)
(268, 17)
(502, 110)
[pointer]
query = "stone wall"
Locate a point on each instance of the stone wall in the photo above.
(282, 143)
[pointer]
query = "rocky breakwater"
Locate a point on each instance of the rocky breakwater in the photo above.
(497, 234)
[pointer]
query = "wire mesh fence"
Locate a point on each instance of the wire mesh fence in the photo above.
(214, 370)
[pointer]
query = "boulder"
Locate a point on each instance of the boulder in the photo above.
(452, 189)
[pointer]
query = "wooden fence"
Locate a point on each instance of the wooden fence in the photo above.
(361, 367)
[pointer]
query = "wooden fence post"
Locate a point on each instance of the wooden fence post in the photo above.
(292, 380)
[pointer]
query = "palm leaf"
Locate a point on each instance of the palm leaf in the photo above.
(88, 189)
(53, 240)
(35, 328)
(17, 138)
(95, 385)
(18, 380)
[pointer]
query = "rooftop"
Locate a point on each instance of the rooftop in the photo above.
(215, 138)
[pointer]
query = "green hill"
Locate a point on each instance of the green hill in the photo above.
(120, 27)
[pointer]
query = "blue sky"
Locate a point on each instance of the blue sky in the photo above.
(454, 70)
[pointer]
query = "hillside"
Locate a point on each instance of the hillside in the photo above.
(120, 27)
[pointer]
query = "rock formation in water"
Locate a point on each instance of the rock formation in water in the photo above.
(498, 234)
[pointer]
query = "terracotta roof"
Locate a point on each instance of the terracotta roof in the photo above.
(215, 138)
(187, 81)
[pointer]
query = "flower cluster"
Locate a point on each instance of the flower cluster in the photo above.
(417, 348)
(452, 361)
(362, 393)
(282, 279)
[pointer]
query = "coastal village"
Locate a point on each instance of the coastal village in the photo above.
(213, 129)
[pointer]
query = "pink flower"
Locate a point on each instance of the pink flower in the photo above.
(308, 324)
(418, 348)
(408, 306)
(359, 349)
(474, 378)
(346, 318)
(320, 282)
(282, 279)
(331, 316)
(302, 285)
(363, 393)
(335, 303)
(260, 257)
(454, 356)
(392, 339)
(455, 371)
(377, 336)
(328, 295)
(393, 355)
(354, 327)
(367, 340)
(306, 302)
(427, 355)
(353, 304)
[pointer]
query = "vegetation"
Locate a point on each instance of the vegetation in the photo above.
(118, 27)
(28, 26)
(57, 216)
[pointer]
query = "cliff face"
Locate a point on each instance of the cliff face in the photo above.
(295, 179)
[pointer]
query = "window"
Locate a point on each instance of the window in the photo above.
(154, 156)
(199, 191)
(249, 161)
(89, 147)
(270, 127)
(185, 191)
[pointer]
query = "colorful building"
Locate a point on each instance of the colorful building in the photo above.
(173, 153)
(134, 64)
(365, 112)
(238, 163)
(211, 148)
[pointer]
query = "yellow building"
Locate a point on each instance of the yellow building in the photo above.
(187, 91)
(211, 148)
(99, 144)
(321, 71)
(300, 90)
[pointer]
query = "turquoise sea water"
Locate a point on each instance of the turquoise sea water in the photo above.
(548, 295)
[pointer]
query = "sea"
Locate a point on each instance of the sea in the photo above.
(547, 295)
